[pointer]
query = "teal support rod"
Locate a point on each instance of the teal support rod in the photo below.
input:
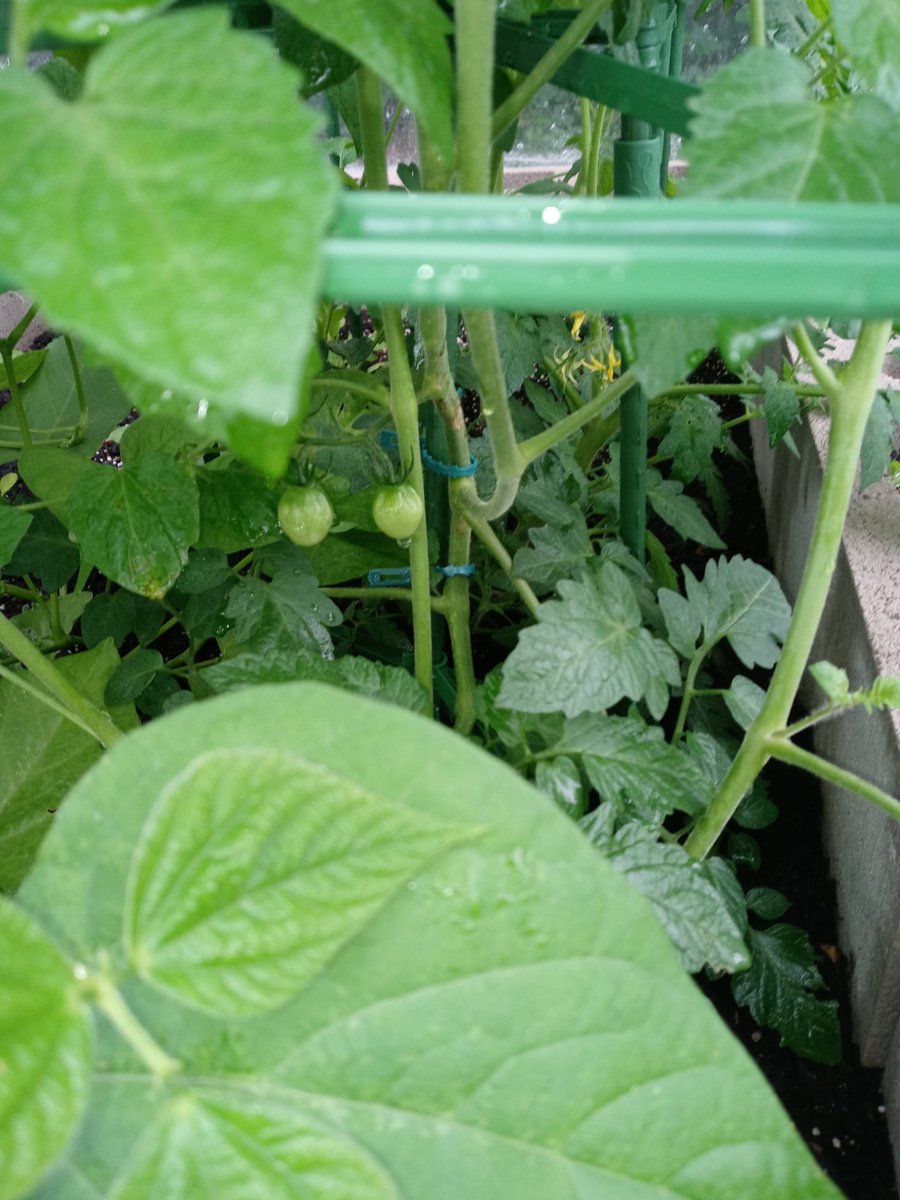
(636, 167)
(526, 254)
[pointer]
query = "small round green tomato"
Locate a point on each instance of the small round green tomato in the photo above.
(305, 514)
(398, 510)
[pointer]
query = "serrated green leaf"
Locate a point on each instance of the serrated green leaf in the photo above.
(14, 523)
(688, 905)
(759, 132)
(767, 903)
(132, 675)
(737, 600)
(187, 138)
(878, 443)
(157, 433)
(45, 1049)
(277, 619)
(406, 45)
(693, 436)
(588, 651)
(470, 1066)
(682, 513)
(885, 691)
(554, 554)
(108, 615)
(756, 810)
(744, 851)
(871, 34)
(833, 681)
(137, 523)
(253, 870)
(744, 699)
(634, 767)
(42, 755)
(237, 507)
(347, 556)
(560, 780)
(781, 405)
(778, 991)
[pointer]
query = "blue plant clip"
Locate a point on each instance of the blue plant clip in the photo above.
(389, 577)
(449, 470)
(388, 439)
(456, 569)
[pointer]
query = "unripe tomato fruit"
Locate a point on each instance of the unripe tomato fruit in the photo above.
(305, 514)
(398, 510)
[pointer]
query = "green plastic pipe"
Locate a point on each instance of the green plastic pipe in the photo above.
(528, 254)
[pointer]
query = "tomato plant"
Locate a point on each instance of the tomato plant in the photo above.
(217, 969)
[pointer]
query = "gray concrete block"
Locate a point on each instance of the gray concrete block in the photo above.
(13, 307)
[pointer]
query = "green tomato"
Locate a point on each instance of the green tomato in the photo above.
(305, 514)
(398, 510)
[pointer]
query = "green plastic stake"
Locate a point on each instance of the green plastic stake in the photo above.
(673, 67)
(637, 158)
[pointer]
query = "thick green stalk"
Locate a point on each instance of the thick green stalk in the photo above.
(88, 716)
(757, 22)
(544, 70)
(491, 542)
(532, 447)
(475, 22)
(851, 405)
(101, 989)
(6, 355)
(404, 402)
(786, 751)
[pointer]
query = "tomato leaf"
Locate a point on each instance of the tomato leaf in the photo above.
(589, 650)
(737, 600)
(14, 523)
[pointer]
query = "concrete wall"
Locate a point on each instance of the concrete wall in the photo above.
(861, 633)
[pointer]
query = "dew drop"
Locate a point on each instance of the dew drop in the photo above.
(551, 215)
(202, 409)
(404, 543)
(426, 271)
(80, 971)
(279, 417)
(166, 394)
(412, 885)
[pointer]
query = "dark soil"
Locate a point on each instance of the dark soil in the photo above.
(839, 1111)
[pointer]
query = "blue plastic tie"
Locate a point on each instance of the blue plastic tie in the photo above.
(389, 577)
(457, 569)
(388, 439)
(449, 470)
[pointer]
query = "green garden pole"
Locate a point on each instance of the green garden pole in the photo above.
(676, 58)
(637, 157)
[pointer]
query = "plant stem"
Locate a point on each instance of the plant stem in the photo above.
(509, 462)
(781, 748)
(547, 67)
(404, 402)
(6, 354)
(79, 390)
(689, 690)
(851, 405)
(20, 680)
(532, 447)
(91, 718)
(596, 149)
(376, 395)
(489, 539)
(827, 379)
(104, 993)
(757, 22)
(475, 25)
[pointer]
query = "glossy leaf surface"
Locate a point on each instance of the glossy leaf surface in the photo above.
(45, 1049)
(173, 177)
(450, 1040)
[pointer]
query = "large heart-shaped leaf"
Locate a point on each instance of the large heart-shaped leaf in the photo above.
(406, 44)
(506, 1019)
(137, 523)
(185, 244)
(45, 1052)
(760, 132)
